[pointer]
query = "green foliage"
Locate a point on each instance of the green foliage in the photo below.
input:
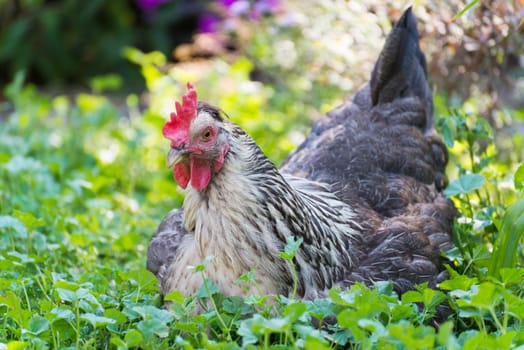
(519, 178)
(464, 184)
(73, 227)
(486, 236)
(71, 41)
(505, 250)
(486, 295)
(289, 253)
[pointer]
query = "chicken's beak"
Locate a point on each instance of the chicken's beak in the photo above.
(175, 156)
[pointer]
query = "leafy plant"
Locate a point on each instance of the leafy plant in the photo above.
(505, 250)
(71, 42)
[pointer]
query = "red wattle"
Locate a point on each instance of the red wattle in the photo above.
(200, 173)
(181, 174)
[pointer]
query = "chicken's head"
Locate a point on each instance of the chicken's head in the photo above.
(198, 143)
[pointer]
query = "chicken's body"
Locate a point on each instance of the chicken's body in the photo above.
(363, 192)
(243, 220)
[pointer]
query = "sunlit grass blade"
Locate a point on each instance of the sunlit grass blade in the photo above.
(465, 9)
(511, 231)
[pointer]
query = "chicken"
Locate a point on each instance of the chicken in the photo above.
(363, 192)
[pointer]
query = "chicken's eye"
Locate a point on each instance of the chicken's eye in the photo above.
(206, 135)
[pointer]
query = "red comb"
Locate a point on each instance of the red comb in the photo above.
(177, 129)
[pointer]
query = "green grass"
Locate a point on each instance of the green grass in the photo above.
(82, 188)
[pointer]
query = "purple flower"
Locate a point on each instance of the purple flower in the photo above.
(207, 23)
(265, 6)
(262, 7)
(239, 8)
(227, 3)
(150, 5)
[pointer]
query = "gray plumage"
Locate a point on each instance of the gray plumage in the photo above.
(362, 191)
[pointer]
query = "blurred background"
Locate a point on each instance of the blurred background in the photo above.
(67, 44)
(312, 53)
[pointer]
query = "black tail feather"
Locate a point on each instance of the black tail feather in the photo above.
(401, 68)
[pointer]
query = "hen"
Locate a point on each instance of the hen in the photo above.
(362, 192)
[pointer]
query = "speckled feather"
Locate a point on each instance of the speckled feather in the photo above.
(363, 191)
